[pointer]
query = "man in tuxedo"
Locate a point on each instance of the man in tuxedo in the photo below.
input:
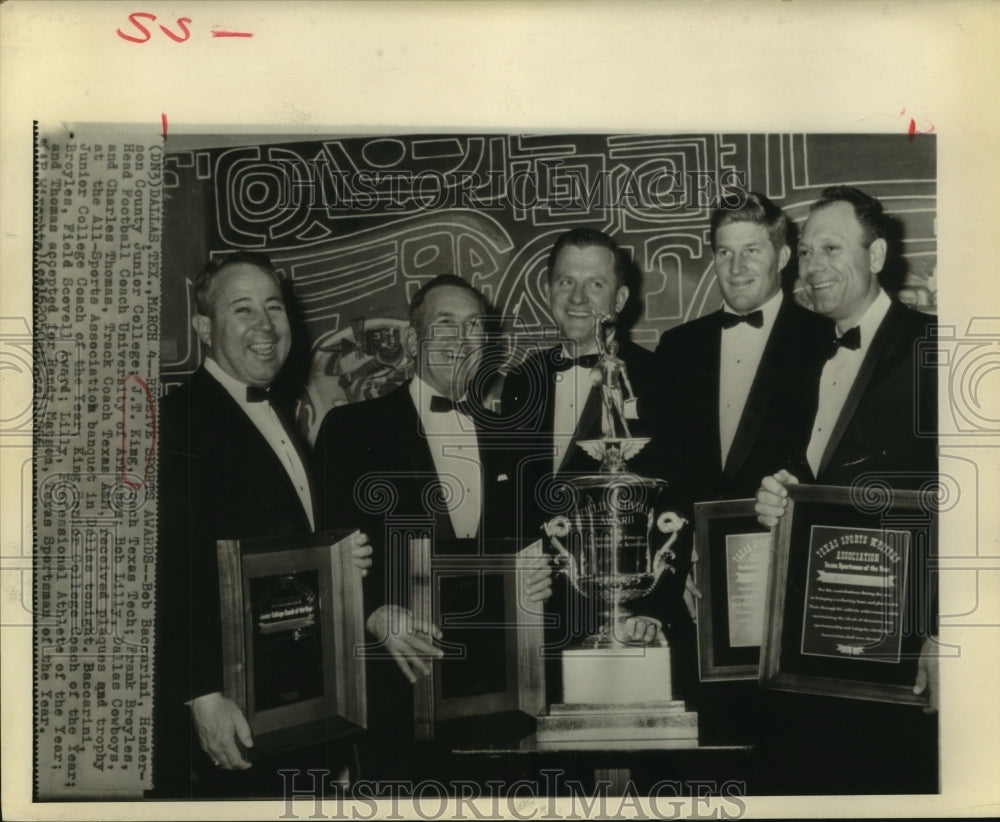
(734, 393)
(231, 467)
(733, 402)
(550, 400)
(871, 392)
(421, 461)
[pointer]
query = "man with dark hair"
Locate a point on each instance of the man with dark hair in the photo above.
(421, 461)
(231, 467)
(871, 392)
(869, 398)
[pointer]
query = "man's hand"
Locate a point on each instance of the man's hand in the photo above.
(772, 498)
(537, 578)
(643, 629)
(409, 640)
(928, 676)
(220, 723)
(361, 551)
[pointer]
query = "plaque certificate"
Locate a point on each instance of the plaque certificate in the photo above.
(492, 636)
(734, 554)
(292, 629)
(747, 558)
(852, 593)
(288, 639)
(855, 593)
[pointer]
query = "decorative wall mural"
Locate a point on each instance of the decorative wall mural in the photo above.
(360, 223)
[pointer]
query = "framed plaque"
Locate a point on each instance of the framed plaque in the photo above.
(734, 553)
(849, 596)
(492, 635)
(292, 622)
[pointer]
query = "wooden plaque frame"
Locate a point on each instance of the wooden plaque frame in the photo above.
(522, 686)
(340, 708)
(719, 659)
(784, 664)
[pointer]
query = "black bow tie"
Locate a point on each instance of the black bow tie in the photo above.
(754, 318)
(850, 339)
(255, 394)
(441, 405)
(565, 364)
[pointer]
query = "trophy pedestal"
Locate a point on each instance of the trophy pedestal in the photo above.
(615, 695)
(618, 675)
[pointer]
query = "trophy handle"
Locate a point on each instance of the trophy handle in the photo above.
(559, 527)
(668, 523)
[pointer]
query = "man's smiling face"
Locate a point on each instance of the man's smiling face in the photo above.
(248, 333)
(838, 264)
(583, 284)
(747, 265)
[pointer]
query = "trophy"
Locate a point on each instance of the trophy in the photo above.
(615, 545)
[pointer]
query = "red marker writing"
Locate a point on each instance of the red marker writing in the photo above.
(143, 33)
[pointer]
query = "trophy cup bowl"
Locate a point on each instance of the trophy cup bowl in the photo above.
(607, 545)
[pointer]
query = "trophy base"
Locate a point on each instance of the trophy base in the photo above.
(617, 695)
(617, 674)
(645, 724)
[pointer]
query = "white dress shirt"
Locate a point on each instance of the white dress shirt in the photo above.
(262, 415)
(739, 357)
(838, 376)
(454, 447)
(572, 390)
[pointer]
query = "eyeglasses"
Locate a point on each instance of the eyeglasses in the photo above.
(472, 329)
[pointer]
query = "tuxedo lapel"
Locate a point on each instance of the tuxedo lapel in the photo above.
(768, 372)
(549, 387)
(498, 508)
(705, 392)
(883, 344)
(588, 427)
(231, 424)
(287, 421)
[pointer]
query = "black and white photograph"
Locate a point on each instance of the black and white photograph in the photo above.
(559, 465)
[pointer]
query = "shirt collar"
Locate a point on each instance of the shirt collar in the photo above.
(572, 351)
(236, 388)
(872, 318)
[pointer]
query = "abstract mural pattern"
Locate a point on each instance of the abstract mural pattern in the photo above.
(360, 223)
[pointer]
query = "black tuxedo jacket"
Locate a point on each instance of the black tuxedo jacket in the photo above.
(528, 410)
(887, 427)
(219, 479)
(777, 418)
(893, 748)
(374, 470)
